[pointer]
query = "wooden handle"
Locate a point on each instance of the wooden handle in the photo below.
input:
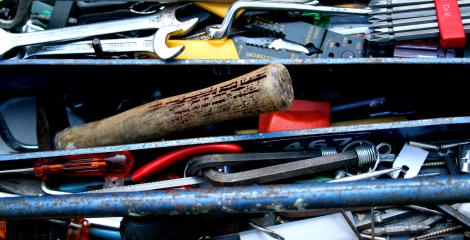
(267, 89)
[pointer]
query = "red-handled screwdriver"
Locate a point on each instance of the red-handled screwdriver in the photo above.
(117, 164)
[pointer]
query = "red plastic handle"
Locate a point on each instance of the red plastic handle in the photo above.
(170, 158)
(450, 24)
(117, 164)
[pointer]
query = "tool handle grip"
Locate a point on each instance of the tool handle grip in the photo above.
(267, 89)
(118, 164)
(450, 24)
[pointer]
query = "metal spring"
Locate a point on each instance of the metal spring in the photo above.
(366, 154)
(432, 171)
(436, 233)
(431, 174)
(328, 151)
(434, 164)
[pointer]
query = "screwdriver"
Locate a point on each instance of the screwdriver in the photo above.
(117, 164)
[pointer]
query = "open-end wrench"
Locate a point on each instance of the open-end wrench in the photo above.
(166, 17)
(223, 30)
(155, 44)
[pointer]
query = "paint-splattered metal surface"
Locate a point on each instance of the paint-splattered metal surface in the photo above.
(236, 62)
(242, 199)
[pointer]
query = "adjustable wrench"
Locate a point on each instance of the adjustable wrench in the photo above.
(154, 44)
(166, 17)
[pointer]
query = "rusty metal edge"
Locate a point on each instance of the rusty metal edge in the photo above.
(140, 62)
(257, 198)
(243, 137)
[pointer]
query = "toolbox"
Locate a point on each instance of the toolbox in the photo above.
(426, 124)
(262, 175)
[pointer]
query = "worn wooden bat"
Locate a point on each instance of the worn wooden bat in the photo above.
(267, 89)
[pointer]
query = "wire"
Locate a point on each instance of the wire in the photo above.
(170, 158)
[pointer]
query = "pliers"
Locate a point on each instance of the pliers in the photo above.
(281, 40)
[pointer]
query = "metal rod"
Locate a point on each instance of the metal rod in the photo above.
(365, 175)
(241, 199)
(20, 170)
(351, 224)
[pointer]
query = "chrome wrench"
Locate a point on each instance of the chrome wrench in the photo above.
(223, 30)
(154, 44)
(166, 17)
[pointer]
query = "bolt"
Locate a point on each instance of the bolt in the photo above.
(434, 164)
(429, 174)
(436, 233)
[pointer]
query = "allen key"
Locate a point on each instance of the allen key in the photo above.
(229, 159)
(361, 155)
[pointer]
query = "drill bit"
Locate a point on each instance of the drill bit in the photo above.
(384, 38)
(419, 33)
(406, 28)
(436, 233)
(398, 229)
(412, 8)
(393, 3)
(409, 21)
(414, 14)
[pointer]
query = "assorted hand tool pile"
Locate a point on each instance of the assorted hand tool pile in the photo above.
(285, 29)
(115, 179)
(252, 156)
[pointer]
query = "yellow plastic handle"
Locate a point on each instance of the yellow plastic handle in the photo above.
(205, 49)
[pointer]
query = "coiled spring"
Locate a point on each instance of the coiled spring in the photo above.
(328, 151)
(366, 154)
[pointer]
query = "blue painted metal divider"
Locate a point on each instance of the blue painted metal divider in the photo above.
(242, 199)
(407, 128)
(146, 62)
